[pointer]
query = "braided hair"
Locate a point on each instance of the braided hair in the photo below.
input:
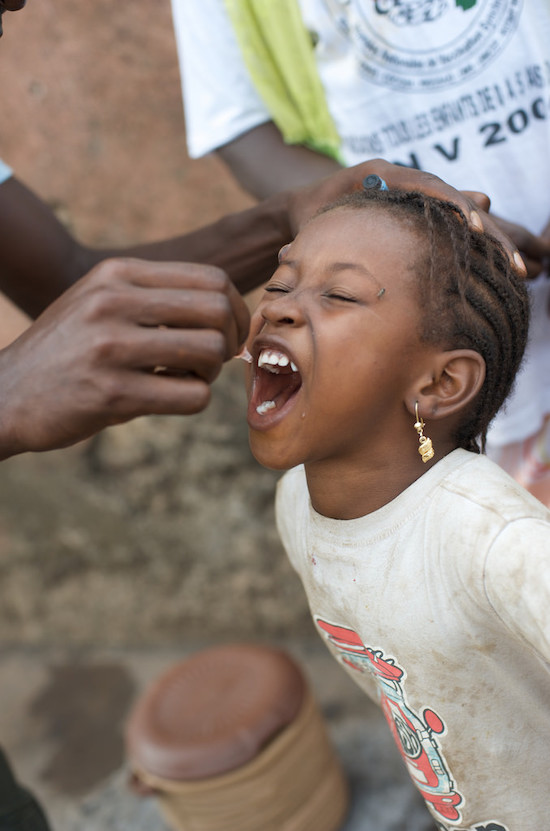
(470, 295)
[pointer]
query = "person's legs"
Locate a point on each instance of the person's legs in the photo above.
(19, 810)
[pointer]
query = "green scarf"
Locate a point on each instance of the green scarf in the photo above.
(278, 52)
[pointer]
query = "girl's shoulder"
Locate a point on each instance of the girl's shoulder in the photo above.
(483, 486)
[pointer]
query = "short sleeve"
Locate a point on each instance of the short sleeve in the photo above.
(220, 100)
(517, 581)
(5, 172)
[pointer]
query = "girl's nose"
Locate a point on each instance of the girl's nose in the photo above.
(283, 310)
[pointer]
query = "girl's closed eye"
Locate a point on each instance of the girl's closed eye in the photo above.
(273, 288)
(340, 294)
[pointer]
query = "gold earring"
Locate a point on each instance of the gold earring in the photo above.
(426, 449)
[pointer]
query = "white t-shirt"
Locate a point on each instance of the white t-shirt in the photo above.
(438, 606)
(464, 95)
(5, 171)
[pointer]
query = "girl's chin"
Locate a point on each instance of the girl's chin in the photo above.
(269, 453)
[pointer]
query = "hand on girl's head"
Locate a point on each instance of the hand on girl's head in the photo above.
(473, 204)
(481, 220)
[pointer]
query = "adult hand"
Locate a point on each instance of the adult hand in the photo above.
(304, 203)
(131, 338)
(535, 250)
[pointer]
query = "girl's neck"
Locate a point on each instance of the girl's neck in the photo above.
(343, 490)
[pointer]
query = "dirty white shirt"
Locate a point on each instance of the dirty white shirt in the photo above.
(438, 606)
(460, 89)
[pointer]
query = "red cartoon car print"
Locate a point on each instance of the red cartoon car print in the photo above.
(414, 734)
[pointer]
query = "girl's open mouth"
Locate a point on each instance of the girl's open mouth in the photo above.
(275, 381)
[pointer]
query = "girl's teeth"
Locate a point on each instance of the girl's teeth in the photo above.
(265, 406)
(270, 357)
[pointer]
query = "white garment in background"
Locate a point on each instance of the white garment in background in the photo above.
(438, 606)
(5, 171)
(464, 95)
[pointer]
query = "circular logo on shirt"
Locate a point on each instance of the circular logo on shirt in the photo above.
(419, 45)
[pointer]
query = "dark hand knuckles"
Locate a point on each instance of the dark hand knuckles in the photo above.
(108, 398)
(200, 351)
(215, 279)
(107, 347)
(214, 348)
(107, 301)
(218, 312)
(111, 271)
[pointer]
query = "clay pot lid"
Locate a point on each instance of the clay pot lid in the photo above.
(214, 711)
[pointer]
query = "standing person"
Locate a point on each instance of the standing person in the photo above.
(385, 342)
(287, 91)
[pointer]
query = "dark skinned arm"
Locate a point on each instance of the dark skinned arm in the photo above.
(263, 164)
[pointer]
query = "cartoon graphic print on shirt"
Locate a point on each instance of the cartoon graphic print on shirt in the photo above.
(413, 733)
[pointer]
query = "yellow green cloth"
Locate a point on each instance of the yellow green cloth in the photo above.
(279, 54)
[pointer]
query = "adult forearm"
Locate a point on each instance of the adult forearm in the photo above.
(264, 165)
(39, 259)
(244, 244)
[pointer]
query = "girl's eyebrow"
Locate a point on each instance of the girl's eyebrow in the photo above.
(336, 268)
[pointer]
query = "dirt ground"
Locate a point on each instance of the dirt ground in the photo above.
(161, 529)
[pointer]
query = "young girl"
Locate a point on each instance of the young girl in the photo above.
(385, 343)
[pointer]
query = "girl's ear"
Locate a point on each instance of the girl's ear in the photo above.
(456, 378)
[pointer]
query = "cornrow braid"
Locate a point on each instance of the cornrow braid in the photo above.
(470, 296)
